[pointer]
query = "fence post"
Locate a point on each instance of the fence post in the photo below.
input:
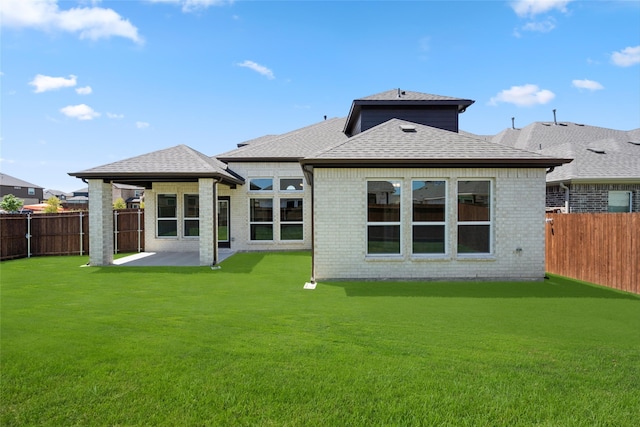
(115, 231)
(139, 232)
(28, 236)
(81, 235)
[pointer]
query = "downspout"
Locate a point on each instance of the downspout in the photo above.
(308, 174)
(566, 197)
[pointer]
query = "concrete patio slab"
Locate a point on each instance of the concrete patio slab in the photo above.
(167, 259)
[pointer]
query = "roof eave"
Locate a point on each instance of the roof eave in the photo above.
(132, 178)
(431, 163)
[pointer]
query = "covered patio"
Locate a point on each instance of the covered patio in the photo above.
(167, 259)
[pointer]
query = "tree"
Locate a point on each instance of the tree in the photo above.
(53, 204)
(119, 204)
(11, 203)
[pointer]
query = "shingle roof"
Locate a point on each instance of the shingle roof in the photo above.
(291, 146)
(389, 143)
(176, 163)
(598, 153)
(10, 181)
(405, 95)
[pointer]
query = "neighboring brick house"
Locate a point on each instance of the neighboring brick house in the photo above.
(131, 194)
(604, 175)
(391, 191)
(30, 194)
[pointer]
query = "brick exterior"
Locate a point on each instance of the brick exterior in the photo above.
(239, 205)
(100, 223)
(590, 198)
(340, 211)
(207, 191)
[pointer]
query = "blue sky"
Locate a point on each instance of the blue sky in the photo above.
(84, 83)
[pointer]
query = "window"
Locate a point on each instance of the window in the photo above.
(383, 217)
(429, 217)
(474, 217)
(31, 191)
(619, 201)
(261, 184)
(291, 226)
(167, 215)
(291, 184)
(261, 219)
(191, 215)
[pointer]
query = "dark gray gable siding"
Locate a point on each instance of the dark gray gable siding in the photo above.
(441, 117)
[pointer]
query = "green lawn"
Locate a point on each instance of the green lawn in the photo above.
(246, 345)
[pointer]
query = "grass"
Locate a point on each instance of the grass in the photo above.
(246, 345)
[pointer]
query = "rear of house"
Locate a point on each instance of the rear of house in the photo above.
(393, 190)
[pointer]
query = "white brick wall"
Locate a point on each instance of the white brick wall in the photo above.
(518, 202)
(239, 205)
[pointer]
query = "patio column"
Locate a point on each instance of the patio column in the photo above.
(100, 223)
(207, 188)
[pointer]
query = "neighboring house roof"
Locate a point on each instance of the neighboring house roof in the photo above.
(10, 181)
(291, 146)
(176, 164)
(48, 193)
(599, 154)
(399, 142)
(127, 186)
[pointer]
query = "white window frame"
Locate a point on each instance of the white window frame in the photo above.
(398, 223)
(294, 190)
(158, 218)
(285, 222)
(443, 223)
(490, 222)
(255, 178)
(31, 191)
(186, 218)
(272, 222)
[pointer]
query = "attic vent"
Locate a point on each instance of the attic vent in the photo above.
(408, 128)
(579, 124)
(562, 124)
(546, 124)
(635, 142)
(596, 150)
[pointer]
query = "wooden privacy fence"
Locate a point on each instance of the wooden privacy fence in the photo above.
(597, 248)
(65, 233)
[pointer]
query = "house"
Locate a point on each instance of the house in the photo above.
(604, 175)
(49, 193)
(393, 190)
(131, 194)
(29, 193)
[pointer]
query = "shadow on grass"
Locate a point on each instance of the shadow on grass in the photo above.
(553, 287)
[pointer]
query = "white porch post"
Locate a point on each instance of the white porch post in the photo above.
(207, 188)
(100, 223)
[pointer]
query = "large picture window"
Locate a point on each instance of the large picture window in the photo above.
(167, 215)
(261, 219)
(191, 215)
(474, 217)
(383, 217)
(291, 217)
(429, 217)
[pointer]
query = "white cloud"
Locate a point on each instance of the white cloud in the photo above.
(626, 57)
(587, 84)
(535, 7)
(523, 96)
(44, 83)
(115, 116)
(261, 69)
(541, 26)
(194, 5)
(80, 112)
(88, 22)
(84, 90)
(142, 125)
